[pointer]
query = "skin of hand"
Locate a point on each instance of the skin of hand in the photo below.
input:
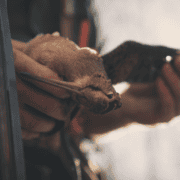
(40, 106)
(54, 57)
(144, 103)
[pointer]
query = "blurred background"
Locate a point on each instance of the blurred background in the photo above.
(151, 22)
(134, 152)
(137, 152)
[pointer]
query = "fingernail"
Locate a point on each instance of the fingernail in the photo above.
(56, 33)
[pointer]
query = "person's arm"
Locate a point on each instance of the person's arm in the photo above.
(145, 103)
(137, 104)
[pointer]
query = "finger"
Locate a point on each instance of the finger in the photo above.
(24, 63)
(18, 45)
(46, 103)
(166, 107)
(34, 121)
(172, 80)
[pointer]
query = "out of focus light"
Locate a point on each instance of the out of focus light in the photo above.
(168, 58)
(121, 87)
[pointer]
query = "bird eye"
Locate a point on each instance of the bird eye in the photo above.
(110, 95)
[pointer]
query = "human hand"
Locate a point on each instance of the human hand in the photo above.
(146, 103)
(158, 101)
(56, 58)
(144, 63)
(41, 106)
